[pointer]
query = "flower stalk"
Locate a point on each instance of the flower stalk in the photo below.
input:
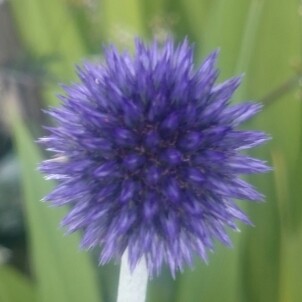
(132, 284)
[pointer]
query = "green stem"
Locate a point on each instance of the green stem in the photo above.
(281, 90)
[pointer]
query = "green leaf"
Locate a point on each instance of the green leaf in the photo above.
(14, 287)
(163, 288)
(63, 272)
(278, 48)
(122, 20)
(48, 28)
(195, 14)
(291, 267)
(218, 281)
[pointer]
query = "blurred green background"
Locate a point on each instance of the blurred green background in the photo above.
(41, 40)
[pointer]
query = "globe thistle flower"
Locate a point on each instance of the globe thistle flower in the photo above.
(147, 154)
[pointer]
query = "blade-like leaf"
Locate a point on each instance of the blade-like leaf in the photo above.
(217, 281)
(272, 64)
(14, 287)
(122, 20)
(63, 272)
(48, 28)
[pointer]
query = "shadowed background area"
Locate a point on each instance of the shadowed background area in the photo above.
(40, 43)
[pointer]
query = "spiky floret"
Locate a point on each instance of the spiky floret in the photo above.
(147, 155)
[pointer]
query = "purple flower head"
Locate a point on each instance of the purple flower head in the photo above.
(147, 154)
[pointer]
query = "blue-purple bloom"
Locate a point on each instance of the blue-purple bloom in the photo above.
(147, 154)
